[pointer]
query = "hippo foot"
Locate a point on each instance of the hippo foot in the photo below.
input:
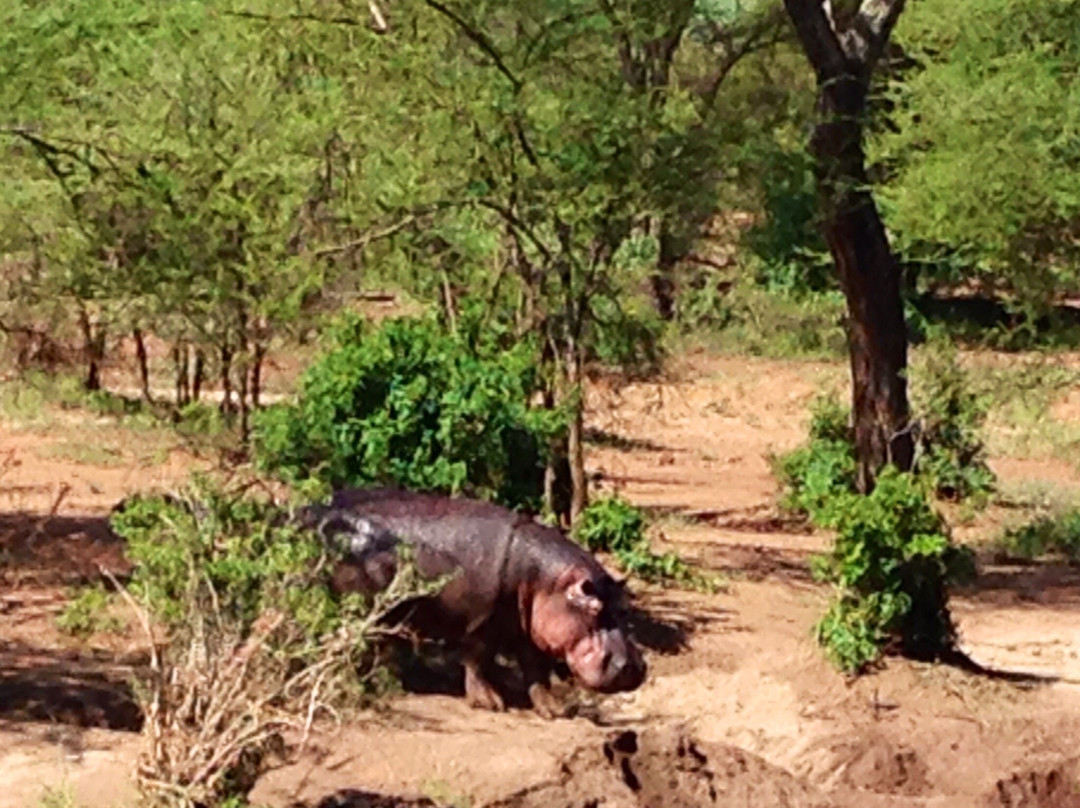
(545, 703)
(480, 694)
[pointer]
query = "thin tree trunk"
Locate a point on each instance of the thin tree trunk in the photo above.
(180, 369)
(575, 436)
(662, 280)
(870, 276)
(144, 364)
(243, 405)
(197, 374)
(256, 374)
(448, 300)
(93, 350)
(226, 379)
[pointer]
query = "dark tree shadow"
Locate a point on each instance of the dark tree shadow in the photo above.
(968, 318)
(59, 549)
(1003, 579)
(955, 658)
(39, 685)
(355, 798)
(602, 437)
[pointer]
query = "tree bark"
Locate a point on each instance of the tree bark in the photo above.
(662, 279)
(844, 59)
(93, 350)
(870, 277)
(256, 374)
(226, 379)
(197, 375)
(144, 364)
(575, 436)
(180, 365)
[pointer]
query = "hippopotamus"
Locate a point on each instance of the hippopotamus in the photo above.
(513, 586)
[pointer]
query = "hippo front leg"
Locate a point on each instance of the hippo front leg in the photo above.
(479, 691)
(536, 669)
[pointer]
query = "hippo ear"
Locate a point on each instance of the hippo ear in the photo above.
(583, 595)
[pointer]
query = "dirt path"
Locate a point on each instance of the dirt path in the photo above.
(740, 708)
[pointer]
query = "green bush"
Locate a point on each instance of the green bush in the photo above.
(407, 404)
(611, 525)
(1057, 535)
(890, 565)
(950, 415)
(87, 613)
(250, 640)
(816, 475)
(213, 553)
(615, 526)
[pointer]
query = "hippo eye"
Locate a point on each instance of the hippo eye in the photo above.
(588, 589)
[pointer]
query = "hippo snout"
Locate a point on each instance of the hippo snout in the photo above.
(624, 669)
(607, 662)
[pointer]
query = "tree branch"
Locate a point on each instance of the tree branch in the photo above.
(367, 238)
(874, 24)
(479, 38)
(834, 51)
(819, 39)
(764, 33)
(377, 22)
(519, 227)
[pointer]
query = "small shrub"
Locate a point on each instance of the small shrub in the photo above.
(611, 525)
(199, 418)
(1056, 535)
(615, 526)
(891, 564)
(753, 321)
(87, 613)
(255, 641)
(950, 415)
(407, 404)
(816, 475)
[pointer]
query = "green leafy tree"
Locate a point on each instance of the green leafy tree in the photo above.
(979, 157)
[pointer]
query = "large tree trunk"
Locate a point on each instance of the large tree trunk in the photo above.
(844, 48)
(870, 276)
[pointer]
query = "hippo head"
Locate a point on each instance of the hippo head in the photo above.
(579, 620)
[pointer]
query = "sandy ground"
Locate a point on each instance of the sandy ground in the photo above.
(739, 709)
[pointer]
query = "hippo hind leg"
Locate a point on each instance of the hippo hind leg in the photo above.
(479, 663)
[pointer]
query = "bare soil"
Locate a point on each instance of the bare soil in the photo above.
(739, 709)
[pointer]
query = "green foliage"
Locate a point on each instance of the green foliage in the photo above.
(1056, 535)
(980, 158)
(615, 526)
(86, 613)
(611, 525)
(791, 255)
(890, 566)
(818, 475)
(407, 404)
(750, 320)
(951, 415)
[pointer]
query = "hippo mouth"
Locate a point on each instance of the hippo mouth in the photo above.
(607, 663)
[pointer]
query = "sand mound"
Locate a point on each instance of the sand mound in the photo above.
(665, 768)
